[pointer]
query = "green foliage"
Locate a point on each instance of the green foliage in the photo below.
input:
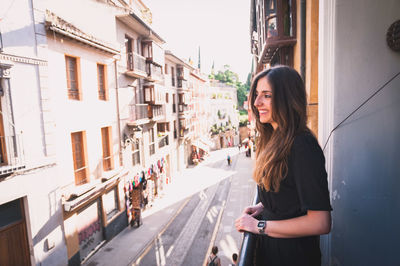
(243, 112)
(231, 78)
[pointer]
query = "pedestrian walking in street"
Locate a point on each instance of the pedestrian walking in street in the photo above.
(234, 259)
(213, 259)
(290, 174)
(228, 158)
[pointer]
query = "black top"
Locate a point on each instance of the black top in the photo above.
(304, 188)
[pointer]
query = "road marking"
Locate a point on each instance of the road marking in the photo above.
(214, 235)
(135, 262)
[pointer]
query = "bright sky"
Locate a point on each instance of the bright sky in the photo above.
(219, 27)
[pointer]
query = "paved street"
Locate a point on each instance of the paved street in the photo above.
(196, 211)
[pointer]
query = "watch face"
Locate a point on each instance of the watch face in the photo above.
(261, 224)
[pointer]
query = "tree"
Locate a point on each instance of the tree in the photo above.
(231, 78)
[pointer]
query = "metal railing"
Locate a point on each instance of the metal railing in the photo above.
(12, 156)
(157, 112)
(138, 111)
(164, 141)
(182, 108)
(248, 248)
(154, 71)
(182, 83)
(136, 62)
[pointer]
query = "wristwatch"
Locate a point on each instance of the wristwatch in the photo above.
(261, 225)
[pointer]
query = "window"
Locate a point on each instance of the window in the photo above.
(135, 153)
(173, 103)
(175, 132)
(270, 17)
(152, 145)
(173, 76)
(129, 53)
(166, 69)
(107, 149)
(102, 82)
(73, 78)
(81, 169)
(166, 97)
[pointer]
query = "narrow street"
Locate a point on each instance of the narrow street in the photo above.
(195, 213)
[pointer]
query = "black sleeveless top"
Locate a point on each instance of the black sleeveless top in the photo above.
(304, 188)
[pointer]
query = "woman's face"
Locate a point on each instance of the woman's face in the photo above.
(263, 101)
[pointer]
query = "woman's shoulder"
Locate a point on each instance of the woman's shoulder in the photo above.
(306, 140)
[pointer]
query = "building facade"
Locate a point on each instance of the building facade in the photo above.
(224, 115)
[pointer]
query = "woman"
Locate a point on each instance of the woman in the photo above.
(213, 259)
(290, 174)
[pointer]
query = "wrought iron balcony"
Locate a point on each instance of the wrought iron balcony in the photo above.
(156, 112)
(154, 72)
(136, 65)
(182, 84)
(139, 114)
(12, 157)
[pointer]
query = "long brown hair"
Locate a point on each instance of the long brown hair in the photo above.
(289, 111)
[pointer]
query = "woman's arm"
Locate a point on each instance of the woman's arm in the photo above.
(313, 223)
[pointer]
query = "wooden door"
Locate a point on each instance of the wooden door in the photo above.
(14, 249)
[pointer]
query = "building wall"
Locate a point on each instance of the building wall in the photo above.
(37, 187)
(362, 154)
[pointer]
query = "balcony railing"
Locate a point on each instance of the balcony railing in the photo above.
(154, 72)
(164, 141)
(136, 64)
(157, 112)
(138, 111)
(12, 157)
(183, 108)
(182, 84)
(247, 250)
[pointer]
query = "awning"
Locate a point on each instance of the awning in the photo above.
(201, 145)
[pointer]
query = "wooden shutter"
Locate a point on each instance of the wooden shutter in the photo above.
(72, 77)
(102, 82)
(79, 157)
(107, 151)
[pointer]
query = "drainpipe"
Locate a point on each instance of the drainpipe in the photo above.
(303, 39)
(118, 115)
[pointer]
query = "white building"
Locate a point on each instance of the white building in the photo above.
(224, 114)
(30, 210)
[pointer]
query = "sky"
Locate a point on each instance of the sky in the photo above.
(219, 27)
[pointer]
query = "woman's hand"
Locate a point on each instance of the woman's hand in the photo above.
(247, 223)
(255, 210)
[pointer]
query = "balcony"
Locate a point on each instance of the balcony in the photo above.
(182, 73)
(154, 72)
(156, 113)
(12, 157)
(163, 141)
(154, 94)
(182, 84)
(280, 30)
(138, 114)
(136, 66)
(153, 53)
